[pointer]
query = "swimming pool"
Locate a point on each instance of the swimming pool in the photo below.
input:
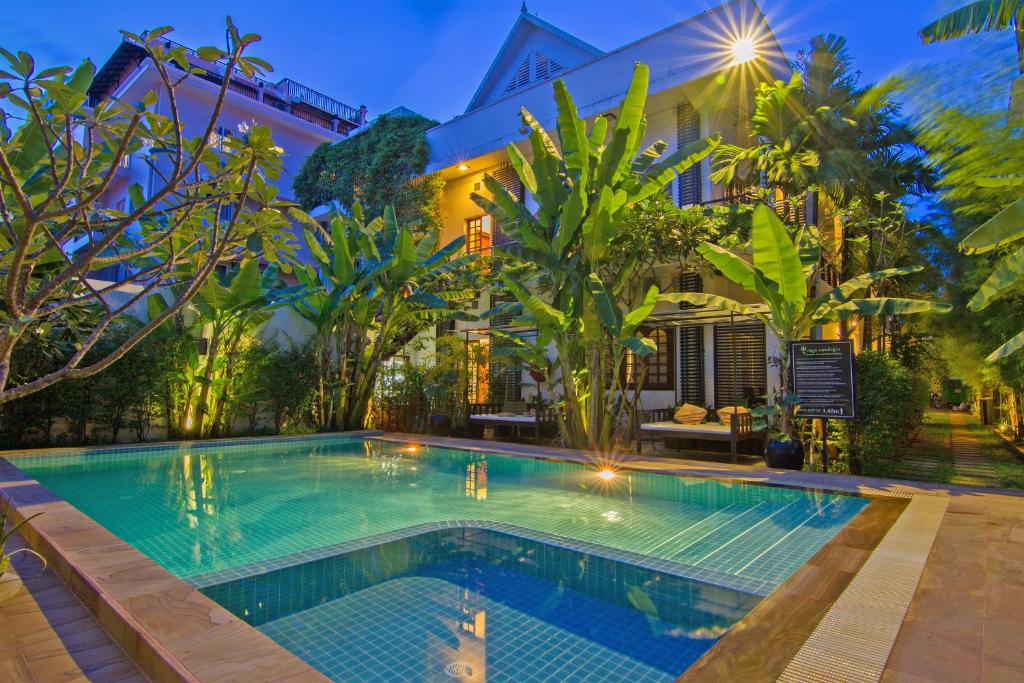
(228, 517)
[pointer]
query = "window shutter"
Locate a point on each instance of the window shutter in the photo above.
(521, 77)
(508, 178)
(690, 183)
(691, 348)
(741, 368)
(504, 380)
(499, 297)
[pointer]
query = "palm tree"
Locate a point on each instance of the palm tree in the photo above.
(821, 131)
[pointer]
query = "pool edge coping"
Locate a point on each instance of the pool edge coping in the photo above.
(151, 653)
(164, 625)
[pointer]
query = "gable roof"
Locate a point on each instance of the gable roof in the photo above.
(533, 51)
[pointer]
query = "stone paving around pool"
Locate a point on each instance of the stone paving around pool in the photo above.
(962, 624)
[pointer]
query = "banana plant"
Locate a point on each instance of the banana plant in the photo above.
(784, 276)
(583, 188)
(224, 310)
(1005, 228)
(371, 287)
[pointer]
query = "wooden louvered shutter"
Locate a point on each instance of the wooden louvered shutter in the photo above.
(442, 329)
(691, 182)
(691, 348)
(741, 367)
(499, 297)
(508, 178)
(505, 379)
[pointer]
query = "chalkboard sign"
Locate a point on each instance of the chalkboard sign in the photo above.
(823, 379)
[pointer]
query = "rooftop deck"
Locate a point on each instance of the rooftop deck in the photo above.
(286, 95)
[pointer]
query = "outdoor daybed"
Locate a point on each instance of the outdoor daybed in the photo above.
(510, 415)
(655, 424)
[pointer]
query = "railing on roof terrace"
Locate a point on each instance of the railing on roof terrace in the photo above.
(306, 95)
(291, 90)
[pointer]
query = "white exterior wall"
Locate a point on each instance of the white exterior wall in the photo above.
(684, 67)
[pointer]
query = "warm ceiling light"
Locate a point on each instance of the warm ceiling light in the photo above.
(462, 167)
(743, 50)
(606, 474)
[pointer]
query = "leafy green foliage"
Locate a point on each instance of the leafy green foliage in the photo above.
(889, 408)
(380, 166)
(56, 169)
(585, 188)
(784, 277)
(369, 289)
(979, 17)
(821, 131)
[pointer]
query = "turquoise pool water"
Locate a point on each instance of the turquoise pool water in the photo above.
(633, 574)
(487, 604)
(208, 508)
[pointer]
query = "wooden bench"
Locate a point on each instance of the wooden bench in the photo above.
(658, 423)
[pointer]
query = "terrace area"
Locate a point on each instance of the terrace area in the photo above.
(286, 95)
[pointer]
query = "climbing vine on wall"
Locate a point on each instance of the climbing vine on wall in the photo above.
(379, 166)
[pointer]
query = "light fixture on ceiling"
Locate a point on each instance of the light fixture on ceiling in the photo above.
(463, 167)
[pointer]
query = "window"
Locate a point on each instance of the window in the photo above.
(690, 183)
(505, 376)
(741, 367)
(479, 354)
(478, 235)
(659, 364)
(217, 138)
(691, 348)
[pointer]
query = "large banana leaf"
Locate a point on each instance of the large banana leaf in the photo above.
(777, 257)
(1005, 227)
(976, 17)
(1008, 349)
(882, 306)
(721, 303)
(1002, 279)
(742, 273)
(572, 133)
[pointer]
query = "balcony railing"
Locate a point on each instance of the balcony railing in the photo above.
(287, 95)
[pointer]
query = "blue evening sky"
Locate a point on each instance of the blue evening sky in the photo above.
(429, 55)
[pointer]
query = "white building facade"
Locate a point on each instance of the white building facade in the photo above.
(703, 73)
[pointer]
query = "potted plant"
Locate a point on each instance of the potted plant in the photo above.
(782, 450)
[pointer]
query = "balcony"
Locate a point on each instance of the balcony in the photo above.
(286, 95)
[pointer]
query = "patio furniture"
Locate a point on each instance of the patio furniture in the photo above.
(658, 423)
(482, 414)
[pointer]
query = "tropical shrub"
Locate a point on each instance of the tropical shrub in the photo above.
(285, 383)
(785, 276)
(368, 290)
(890, 404)
(584, 188)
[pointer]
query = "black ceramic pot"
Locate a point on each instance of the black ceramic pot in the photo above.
(785, 455)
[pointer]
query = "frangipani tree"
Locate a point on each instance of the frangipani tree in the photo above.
(785, 277)
(583, 188)
(57, 227)
(371, 287)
